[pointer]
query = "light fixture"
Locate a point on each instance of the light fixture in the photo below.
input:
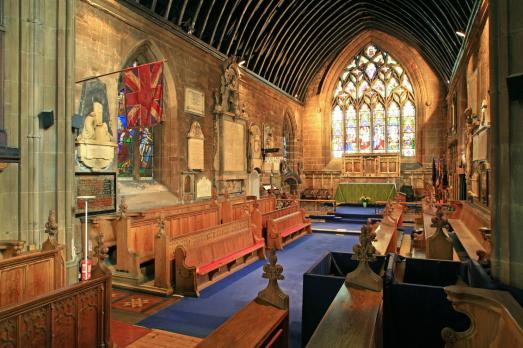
(242, 62)
(460, 33)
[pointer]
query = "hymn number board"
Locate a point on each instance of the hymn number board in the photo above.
(100, 185)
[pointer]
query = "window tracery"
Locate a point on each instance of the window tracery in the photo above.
(373, 108)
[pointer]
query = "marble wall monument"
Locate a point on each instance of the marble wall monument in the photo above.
(195, 147)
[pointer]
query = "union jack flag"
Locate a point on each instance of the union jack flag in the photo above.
(144, 94)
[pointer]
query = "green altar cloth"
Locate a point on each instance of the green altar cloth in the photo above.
(351, 192)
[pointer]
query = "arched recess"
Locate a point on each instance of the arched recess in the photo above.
(143, 52)
(290, 134)
(429, 96)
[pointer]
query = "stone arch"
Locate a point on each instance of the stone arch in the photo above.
(290, 129)
(429, 95)
(148, 51)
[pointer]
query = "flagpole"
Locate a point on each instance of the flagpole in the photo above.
(118, 71)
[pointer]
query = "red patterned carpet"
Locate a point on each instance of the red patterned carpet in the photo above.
(124, 334)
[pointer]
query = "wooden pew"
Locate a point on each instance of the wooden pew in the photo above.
(352, 320)
(31, 274)
(55, 316)
(496, 318)
(205, 256)
(466, 222)
(260, 220)
(136, 233)
(437, 245)
(283, 230)
(226, 206)
(264, 205)
(263, 322)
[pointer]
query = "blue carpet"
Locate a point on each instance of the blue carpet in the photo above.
(200, 316)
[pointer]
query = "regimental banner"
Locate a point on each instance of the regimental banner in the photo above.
(100, 185)
(144, 94)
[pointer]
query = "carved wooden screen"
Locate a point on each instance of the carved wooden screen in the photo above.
(373, 107)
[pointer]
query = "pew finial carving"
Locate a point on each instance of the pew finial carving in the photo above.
(439, 221)
(161, 226)
(51, 228)
(100, 252)
(123, 207)
(273, 294)
(364, 252)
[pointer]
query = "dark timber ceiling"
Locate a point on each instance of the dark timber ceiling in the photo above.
(287, 41)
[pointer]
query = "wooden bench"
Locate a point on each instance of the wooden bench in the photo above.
(437, 246)
(387, 232)
(352, 320)
(466, 222)
(226, 204)
(283, 230)
(31, 274)
(136, 233)
(205, 256)
(255, 325)
(260, 220)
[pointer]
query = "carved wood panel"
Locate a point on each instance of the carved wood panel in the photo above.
(71, 317)
(371, 165)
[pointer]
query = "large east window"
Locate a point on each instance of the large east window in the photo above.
(373, 107)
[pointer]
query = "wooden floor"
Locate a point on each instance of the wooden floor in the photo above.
(164, 339)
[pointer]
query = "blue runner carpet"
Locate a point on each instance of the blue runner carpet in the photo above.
(200, 316)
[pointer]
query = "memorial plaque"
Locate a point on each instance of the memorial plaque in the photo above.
(203, 188)
(194, 101)
(100, 185)
(233, 146)
(480, 146)
(195, 148)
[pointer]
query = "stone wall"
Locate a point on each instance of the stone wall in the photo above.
(108, 36)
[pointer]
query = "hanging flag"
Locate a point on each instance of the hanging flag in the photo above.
(144, 94)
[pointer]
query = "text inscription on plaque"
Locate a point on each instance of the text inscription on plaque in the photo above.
(102, 186)
(194, 101)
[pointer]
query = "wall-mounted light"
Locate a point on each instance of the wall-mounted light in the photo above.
(460, 33)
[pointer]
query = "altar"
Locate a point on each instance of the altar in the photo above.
(351, 192)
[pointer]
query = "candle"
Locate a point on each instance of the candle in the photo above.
(86, 245)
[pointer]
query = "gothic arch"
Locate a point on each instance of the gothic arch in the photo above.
(147, 51)
(428, 87)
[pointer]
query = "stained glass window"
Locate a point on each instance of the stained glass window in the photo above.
(128, 139)
(337, 132)
(373, 106)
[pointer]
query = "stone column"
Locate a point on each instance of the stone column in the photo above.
(506, 36)
(39, 76)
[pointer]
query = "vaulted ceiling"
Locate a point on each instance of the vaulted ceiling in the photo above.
(287, 42)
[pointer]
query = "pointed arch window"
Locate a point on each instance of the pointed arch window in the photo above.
(373, 107)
